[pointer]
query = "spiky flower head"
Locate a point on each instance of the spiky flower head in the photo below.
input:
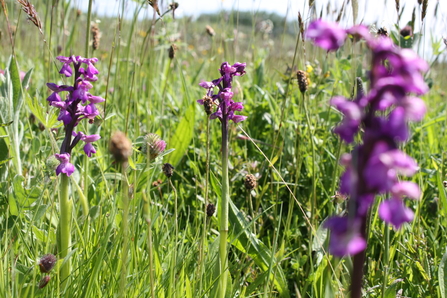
(47, 262)
(154, 144)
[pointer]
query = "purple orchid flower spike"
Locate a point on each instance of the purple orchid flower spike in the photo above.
(227, 106)
(78, 104)
(375, 164)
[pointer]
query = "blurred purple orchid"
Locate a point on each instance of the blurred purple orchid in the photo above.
(383, 114)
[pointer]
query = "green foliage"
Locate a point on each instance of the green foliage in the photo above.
(276, 248)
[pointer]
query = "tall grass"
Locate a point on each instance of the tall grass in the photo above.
(166, 246)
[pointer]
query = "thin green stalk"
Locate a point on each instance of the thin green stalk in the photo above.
(207, 177)
(223, 212)
(176, 234)
(312, 145)
(386, 257)
(65, 206)
(147, 217)
(87, 31)
(125, 231)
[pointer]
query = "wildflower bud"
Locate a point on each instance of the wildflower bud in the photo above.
(360, 89)
(250, 182)
(210, 209)
(168, 170)
(154, 144)
(210, 30)
(44, 281)
(52, 163)
(78, 13)
(96, 34)
(172, 50)
(47, 262)
(302, 80)
(120, 147)
(406, 31)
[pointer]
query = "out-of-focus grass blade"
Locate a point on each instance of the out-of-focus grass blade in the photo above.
(247, 242)
(183, 135)
(442, 276)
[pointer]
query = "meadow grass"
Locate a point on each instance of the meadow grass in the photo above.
(136, 233)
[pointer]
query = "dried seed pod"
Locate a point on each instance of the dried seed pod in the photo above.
(302, 80)
(250, 182)
(210, 209)
(210, 30)
(44, 281)
(168, 170)
(120, 147)
(47, 262)
(172, 50)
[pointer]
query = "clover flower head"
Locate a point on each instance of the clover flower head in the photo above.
(154, 144)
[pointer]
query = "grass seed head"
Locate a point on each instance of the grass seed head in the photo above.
(424, 9)
(96, 35)
(210, 209)
(302, 80)
(172, 50)
(31, 12)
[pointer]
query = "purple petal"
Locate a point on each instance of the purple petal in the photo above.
(328, 36)
(89, 149)
(206, 85)
(406, 189)
(66, 70)
(393, 211)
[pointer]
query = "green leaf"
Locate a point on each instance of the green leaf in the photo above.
(442, 276)
(248, 243)
(16, 85)
(183, 135)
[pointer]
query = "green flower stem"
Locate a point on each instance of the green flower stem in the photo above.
(65, 206)
(386, 259)
(125, 231)
(87, 31)
(223, 212)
